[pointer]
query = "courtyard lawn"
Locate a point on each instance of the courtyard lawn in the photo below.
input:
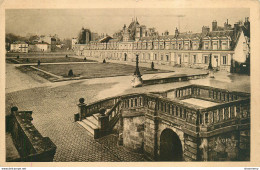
(96, 70)
(46, 60)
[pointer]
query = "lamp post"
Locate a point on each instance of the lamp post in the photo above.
(211, 71)
(137, 80)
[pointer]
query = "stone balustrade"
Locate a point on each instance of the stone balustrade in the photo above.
(92, 108)
(205, 93)
(30, 144)
(226, 114)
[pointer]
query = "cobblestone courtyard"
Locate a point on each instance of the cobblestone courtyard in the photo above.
(54, 105)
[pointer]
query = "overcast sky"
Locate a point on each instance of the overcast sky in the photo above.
(66, 23)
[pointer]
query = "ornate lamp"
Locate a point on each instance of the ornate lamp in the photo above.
(137, 80)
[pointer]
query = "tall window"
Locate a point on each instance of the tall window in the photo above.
(155, 56)
(167, 57)
(194, 59)
(179, 46)
(186, 58)
(215, 46)
(162, 57)
(224, 60)
(206, 59)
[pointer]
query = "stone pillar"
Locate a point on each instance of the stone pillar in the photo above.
(151, 132)
(82, 109)
(204, 149)
(103, 121)
(121, 126)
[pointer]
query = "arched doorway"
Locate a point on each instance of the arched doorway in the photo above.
(170, 146)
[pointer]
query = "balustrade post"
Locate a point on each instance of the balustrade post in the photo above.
(103, 120)
(82, 109)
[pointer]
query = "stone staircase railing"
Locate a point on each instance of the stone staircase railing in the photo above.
(30, 145)
(169, 106)
(204, 93)
(224, 115)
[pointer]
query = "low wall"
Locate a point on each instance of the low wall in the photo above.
(30, 144)
(173, 79)
(31, 54)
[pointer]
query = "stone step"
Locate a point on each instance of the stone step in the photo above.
(87, 127)
(90, 123)
(93, 120)
(96, 116)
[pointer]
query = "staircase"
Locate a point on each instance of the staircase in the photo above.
(98, 124)
(90, 123)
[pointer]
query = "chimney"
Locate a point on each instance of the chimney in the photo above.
(214, 25)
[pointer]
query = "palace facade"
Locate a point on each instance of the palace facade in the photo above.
(223, 47)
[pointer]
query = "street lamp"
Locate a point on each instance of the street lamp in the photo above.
(137, 80)
(211, 71)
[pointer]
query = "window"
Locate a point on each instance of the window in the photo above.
(224, 45)
(179, 46)
(194, 46)
(186, 46)
(206, 45)
(206, 59)
(162, 45)
(194, 58)
(215, 46)
(167, 45)
(186, 58)
(224, 60)
(155, 56)
(167, 57)
(162, 57)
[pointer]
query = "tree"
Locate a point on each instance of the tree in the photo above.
(67, 43)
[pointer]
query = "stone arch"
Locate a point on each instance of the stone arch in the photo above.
(170, 146)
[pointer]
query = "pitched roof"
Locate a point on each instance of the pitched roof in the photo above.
(19, 42)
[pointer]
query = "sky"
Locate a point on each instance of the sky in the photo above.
(66, 23)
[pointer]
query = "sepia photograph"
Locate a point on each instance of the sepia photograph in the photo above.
(127, 84)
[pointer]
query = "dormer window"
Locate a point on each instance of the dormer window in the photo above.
(195, 46)
(186, 46)
(224, 46)
(206, 45)
(215, 45)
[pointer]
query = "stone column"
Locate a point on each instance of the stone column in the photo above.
(204, 149)
(103, 121)
(82, 109)
(151, 130)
